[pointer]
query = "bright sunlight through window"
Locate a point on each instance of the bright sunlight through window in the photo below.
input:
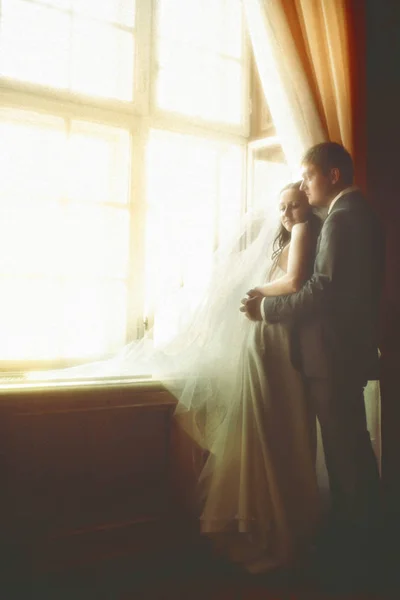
(194, 205)
(64, 235)
(84, 46)
(200, 58)
(123, 133)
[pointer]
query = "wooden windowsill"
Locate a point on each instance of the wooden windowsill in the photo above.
(112, 382)
(140, 392)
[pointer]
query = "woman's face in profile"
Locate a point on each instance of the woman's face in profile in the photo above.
(293, 208)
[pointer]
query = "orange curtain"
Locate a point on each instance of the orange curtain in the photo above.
(331, 41)
(323, 28)
(328, 37)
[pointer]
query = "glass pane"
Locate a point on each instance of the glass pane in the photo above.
(46, 242)
(34, 43)
(188, 189)
(113, 11)
(199, 84)
(29, 319)
(95, 241)
(29, 239)
(49, 46)
(269, 174)
(98, 166)
(41, 319)
(93, 318)
(102, 60)
(32, 158)
(230, 207)
(213, 25)
(231, 32)
(231, 94)
(192, 21)
(182, 195)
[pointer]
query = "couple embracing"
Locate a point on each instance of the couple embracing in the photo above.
(320, 308)
(309, 351)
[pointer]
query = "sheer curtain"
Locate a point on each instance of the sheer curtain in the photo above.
(284, 79)
(306, 56)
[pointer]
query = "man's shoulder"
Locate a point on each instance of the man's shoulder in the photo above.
(352, 200)
(350, 206)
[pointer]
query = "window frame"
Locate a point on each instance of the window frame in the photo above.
(138, 117)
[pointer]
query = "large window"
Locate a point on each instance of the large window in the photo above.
(123, 133)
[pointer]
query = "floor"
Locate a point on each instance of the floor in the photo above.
(194, 575)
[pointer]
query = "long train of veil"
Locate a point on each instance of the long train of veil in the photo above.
(201, 358)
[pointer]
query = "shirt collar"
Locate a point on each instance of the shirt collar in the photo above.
(351, 188)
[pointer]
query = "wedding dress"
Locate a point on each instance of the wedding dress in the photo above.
(260, 485)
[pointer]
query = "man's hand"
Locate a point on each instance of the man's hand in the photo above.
(255, 292)
(251, 308)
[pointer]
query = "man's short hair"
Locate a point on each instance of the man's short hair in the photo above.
(331, 155)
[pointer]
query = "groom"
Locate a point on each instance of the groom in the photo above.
(334, 319)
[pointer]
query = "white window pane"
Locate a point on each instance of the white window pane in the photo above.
(199, 84)
(30, 239)
(231, 91)
(269, 177)
(32, 158)
(43, 319)
(98, 165)
(182, 189)
(47, 239)
(102, 60)
(231, 34)
(93, 318)
(63, 253)
(194, 195)
(192, 21)
(213, 25)
(187, 81)
(95, 241)
(64, 50)
(29, 319)
(230, 206)
(113, 11)
(34, 43)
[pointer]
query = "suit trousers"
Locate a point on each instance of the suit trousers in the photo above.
(352, 468)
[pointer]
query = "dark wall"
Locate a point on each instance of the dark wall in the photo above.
(383, 181)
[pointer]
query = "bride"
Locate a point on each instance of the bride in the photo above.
(259, 484)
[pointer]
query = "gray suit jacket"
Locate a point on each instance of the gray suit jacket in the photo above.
(334, 317)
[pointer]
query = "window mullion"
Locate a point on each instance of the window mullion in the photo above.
(143, 44)
(136, 275)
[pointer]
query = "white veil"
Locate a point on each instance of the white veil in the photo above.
(199, 365)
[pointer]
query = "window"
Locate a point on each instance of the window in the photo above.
(123, 133)
(267, 174)
(64, 236)
(200, 59)
(77, 45)
(194, 205)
